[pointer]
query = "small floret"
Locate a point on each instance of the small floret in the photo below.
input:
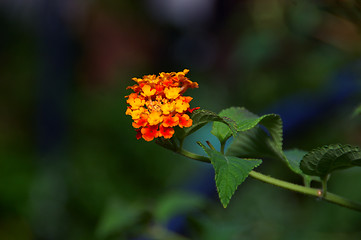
(185, 121)
(148, 91)
(172, 93)
(169, 121)
(149, 133)
(166, 132)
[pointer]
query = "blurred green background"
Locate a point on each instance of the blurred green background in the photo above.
(70, 166)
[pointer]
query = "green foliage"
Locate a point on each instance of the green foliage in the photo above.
(201, 118)
(324, 160)
(294, 157)
(261, 137)
(252, 141)
(230, 172)
(246, 120)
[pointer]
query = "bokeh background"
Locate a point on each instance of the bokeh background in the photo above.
(70, 166)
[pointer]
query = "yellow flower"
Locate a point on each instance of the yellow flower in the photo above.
(181, 106)
(136, 103)
(172, 93)
(136, 114)
(167, 108)
(154, 118)
(147, 91)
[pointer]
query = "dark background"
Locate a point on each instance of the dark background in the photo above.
(70, 166)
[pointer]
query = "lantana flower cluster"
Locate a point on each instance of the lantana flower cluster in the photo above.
(158, 105)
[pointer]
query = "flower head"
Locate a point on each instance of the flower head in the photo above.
(157, 104)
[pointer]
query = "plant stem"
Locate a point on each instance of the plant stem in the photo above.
(193, 156)
(324, 186)
(223, 146)
(330, 197)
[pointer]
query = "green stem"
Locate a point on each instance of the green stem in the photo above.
(223, 146)
(193, 156)
(330, 197)
(210, 145)
(324, 186)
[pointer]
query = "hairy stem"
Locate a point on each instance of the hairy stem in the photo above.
(330, 197)
(319, 193)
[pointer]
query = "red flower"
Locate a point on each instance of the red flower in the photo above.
(166, 132)
(185, 121)
(169, 121)
(139, 134)
(141, 122)
(150, 132)
(192, 109)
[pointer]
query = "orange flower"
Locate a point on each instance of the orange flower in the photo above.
(141, 122)
(149, 133)
(170, 121)
(166, 132)
(185, 121)
(148, 91)
(157, 102)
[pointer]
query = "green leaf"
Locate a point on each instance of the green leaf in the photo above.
(201, 118)
(294, 157)
(230, 172)
(246, 120)
(324, 160)
(176, 202)
(254, 143)
(222, 132)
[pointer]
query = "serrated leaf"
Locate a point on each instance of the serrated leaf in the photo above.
(324, 160)
(294, 157)
(246, 120)
(254, 143)
(241, 117)
(201, 118)
(230, 172)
